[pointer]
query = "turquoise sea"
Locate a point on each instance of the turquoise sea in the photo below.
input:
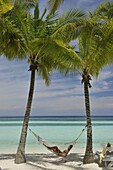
(55, 131)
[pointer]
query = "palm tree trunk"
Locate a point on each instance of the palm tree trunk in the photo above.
(88, 158)
(20, 155)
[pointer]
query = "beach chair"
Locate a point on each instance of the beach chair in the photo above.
(108, 158)
(105, 158)
(98, 156)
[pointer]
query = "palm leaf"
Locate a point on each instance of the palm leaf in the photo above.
(5, 6)
(69, 25)
(55, 55)
(12, 43)
(95, 47)
(54, 5)
(43, 71)
(105, 10)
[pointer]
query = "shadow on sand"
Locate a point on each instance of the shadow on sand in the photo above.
(51, 162)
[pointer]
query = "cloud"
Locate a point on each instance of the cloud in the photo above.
(64, 96)
(103, 83)
(102, 102)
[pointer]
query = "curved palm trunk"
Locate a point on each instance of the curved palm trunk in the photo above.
(88, 158)
(20, 155)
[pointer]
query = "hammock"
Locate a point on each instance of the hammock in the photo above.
(55, 149)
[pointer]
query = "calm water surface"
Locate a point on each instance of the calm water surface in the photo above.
(54, 130)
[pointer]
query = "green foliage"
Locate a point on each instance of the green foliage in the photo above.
(104, 13)
(94, 46)
(105, 10)
(5, 6)
(45, 40)
(54, 5)
(12, 44)
(90, 48)
(36, 12)
(31, 36)
(25, 3)
(69, 25)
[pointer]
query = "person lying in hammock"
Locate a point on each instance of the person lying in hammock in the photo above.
(57, 151)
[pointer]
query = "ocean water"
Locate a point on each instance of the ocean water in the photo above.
(55, 131)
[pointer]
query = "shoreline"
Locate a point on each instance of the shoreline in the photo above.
(40, 149)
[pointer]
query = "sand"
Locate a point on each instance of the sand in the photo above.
(46, 161)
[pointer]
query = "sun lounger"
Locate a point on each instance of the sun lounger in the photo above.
(105, 158)
(108, 161)
(108, 158)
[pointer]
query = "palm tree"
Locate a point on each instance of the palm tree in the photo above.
(94, 43)
(47, 53)
(29, 36)
(94, 51)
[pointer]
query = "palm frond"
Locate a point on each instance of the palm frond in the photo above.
(56, 50)
(43, 71)
(95, 47)
(12, 42)
(28, 4)
(69, 25)
(105, 10)
(5, 6)
(54, 5)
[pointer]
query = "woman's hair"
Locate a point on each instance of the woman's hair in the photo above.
(108, 144)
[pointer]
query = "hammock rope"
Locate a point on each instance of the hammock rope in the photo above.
(40, 140)
(75, 141)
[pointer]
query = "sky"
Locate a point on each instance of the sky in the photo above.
(64, 96)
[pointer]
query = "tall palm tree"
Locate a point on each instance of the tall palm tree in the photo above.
(93, 44)
(94, 51)
(34, 41)
(46, 53)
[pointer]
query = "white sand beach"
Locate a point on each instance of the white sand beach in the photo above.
(46, 161)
